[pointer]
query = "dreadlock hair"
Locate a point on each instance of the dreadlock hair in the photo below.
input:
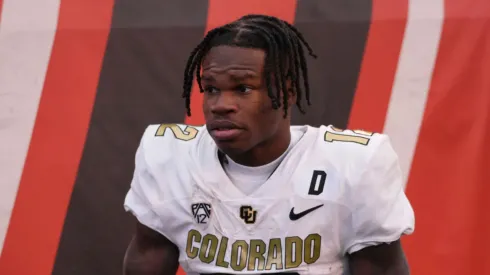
(285, 56)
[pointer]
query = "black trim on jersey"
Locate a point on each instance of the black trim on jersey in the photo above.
(222, 157)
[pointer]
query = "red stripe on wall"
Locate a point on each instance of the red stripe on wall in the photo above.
(223, 11)
(379, 65)
(58, 138)
(449, 182)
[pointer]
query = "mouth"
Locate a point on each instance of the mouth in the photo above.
(224, 130)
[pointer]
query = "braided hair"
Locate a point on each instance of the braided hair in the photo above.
(285, 56)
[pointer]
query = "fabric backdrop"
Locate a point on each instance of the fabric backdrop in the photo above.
(81, 79)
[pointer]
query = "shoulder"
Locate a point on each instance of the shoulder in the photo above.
(369, 166)
(342, 156)
(162, 142)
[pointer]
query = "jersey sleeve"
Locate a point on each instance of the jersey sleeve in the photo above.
(380, 210)
(138, 200)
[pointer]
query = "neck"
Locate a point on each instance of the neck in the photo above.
(266, 151)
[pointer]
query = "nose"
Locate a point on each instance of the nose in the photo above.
(224, 103)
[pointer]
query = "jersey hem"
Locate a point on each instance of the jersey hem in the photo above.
(359, 245)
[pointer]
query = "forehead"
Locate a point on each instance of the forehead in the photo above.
(230, 57)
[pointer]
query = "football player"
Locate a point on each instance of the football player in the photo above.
(249, 193)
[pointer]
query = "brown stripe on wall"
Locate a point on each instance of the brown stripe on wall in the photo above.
(140, 83)
(337, 31)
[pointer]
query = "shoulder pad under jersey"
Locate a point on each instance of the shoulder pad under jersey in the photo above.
(163, 142)
(348, 150)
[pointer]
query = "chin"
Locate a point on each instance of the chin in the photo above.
(230, 147)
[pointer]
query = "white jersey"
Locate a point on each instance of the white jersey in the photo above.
(335, 192)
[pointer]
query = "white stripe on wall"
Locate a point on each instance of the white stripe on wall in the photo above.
(413, 77)
(27, 31)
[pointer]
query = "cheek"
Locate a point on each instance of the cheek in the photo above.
(254, 105)
(263, 109)
(269, 118)
(266, 110)
(206, 105)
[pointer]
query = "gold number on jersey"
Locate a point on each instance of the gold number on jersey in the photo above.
(343, 137)
(187, 134)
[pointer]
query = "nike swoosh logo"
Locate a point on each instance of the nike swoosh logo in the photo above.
(296, 216)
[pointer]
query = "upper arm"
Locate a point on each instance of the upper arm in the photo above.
(382, 259)
(150, 253)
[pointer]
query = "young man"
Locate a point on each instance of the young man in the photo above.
(247, 192)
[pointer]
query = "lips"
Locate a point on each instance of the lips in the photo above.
(224, 130)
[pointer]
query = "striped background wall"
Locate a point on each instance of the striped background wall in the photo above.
(80, 80)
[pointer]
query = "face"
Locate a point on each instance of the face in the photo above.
(237, 108)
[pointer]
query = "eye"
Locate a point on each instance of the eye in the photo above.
(244, 89)
(210, 90)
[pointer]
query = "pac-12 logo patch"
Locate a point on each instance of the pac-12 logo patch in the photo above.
(201, 212)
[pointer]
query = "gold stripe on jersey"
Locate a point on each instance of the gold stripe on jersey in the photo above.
(254, 255)
(331, 137)
(362, 136)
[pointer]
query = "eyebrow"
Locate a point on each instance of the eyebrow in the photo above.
(247, 75)
(234, 77)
